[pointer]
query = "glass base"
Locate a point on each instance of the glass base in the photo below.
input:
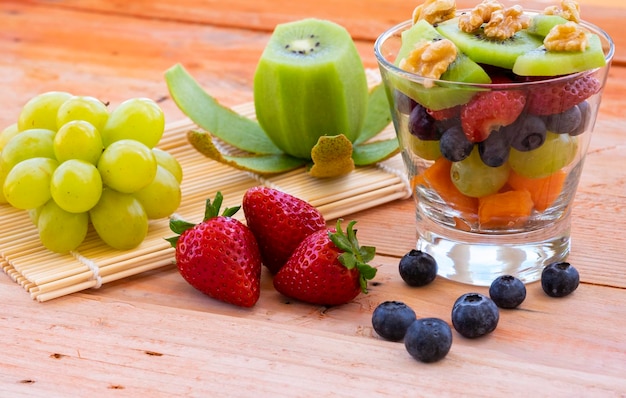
(478, 259)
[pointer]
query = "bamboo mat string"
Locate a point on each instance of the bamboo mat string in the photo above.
(93, 267)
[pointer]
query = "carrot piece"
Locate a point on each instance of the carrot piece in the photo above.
(504, 209)
(437, 176)
(543, 191)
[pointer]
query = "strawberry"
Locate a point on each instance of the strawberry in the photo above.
(549, 99)
(219, 256)
(445, 114)
(279, 221)
(327, 268)
(487, 111)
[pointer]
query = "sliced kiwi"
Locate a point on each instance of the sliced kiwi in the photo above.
(439, 96)
(310, 82)
(540, 62)
(484, 50)
(541, 24)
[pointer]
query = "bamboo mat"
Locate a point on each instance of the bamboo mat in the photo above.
(46, 275)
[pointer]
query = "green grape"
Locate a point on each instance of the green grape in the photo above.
(162, 197)
(27, 185)
(557, 151)
(425, 149)
(474, 178)
(138, 119)
(169, 162)
(76, 186)
(78, 139)
(89, 109)
(127, 166)
(28, 144)
(119, 219)
(41, 111)
(8, 133)
(33, 214)
(3, 176)
(59, 230)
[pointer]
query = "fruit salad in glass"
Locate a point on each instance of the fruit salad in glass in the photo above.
(494, 107)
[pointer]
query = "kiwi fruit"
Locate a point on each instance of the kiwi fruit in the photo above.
(484, 50)
(439, 96)
(541, 24)
(540, 62)
(309, 82)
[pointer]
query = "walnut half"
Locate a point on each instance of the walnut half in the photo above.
(569, 9)
(430, 59)
(505, 23)
(435, 11)
(569, 36)
(478, 15)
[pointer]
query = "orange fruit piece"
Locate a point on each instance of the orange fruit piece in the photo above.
(437, 177)
(543, 191)
(504, 209)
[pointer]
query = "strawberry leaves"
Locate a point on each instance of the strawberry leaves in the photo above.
(211, 210)
(354, 255)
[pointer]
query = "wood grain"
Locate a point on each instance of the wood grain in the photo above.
(153, 334)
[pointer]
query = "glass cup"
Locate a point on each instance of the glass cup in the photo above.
(501, 206)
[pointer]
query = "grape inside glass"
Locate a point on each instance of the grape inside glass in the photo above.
(491, 202)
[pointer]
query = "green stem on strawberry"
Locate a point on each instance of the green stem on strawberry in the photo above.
(211, 210)
(354, 255)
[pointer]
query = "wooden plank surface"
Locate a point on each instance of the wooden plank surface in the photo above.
(153, 334)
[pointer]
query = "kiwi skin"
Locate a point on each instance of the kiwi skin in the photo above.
(309, 82)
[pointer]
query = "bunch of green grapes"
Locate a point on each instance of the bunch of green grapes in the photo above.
(70, 162)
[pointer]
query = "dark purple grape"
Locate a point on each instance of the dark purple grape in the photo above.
(526, 133)
(454, 144)
(422, 125)
(565, 122)
(404, 103)
(494, 151)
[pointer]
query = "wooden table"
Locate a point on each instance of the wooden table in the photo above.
(153, 334)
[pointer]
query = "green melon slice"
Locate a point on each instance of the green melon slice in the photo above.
(540, 62)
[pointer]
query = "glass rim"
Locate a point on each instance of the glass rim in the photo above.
(398, 28)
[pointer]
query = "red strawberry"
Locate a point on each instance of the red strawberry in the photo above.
(444, 114)
(487, 111)
(219, 256)
(328, 268)
(554, 98)
(279, 221)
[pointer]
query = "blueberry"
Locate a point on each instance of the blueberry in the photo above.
(454, 144)
(475, 315)
(417, 268)
(494, 151)
(559, 279)
(565, 122)
(527, 133)
(404, 103)
(422, 125)
(585, 114)
(428, 339)
(391, 319)
(507, 291)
